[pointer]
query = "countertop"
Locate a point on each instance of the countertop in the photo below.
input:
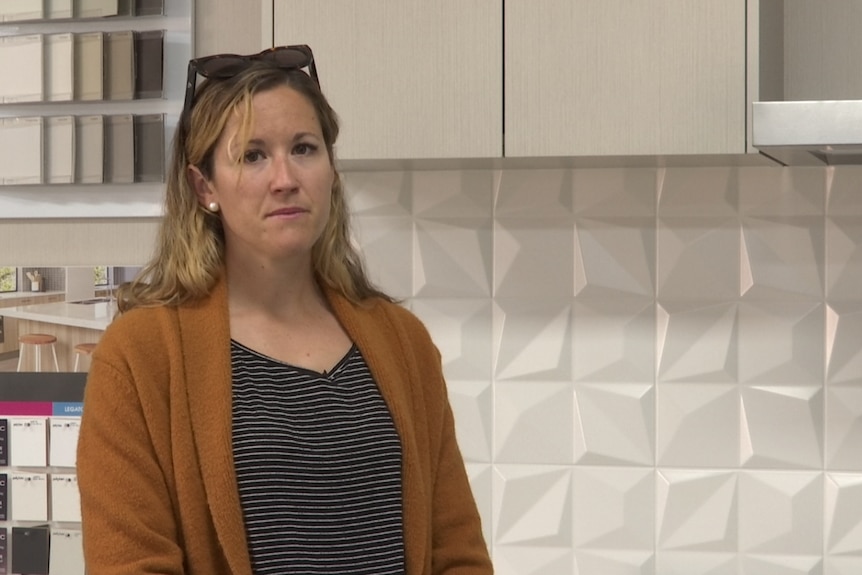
(89, 316)
(17, 294)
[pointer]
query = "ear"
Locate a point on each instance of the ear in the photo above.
(200, 184)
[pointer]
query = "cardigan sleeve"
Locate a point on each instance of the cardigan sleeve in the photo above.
(126, 506)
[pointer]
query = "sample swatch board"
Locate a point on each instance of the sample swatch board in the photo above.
(120, 65)
(40, 518)
(22, 10)
(93, 149)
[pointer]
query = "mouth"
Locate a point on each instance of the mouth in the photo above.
(291, 211)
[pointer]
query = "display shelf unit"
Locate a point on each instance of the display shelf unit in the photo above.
(40, 524)
(104, 200)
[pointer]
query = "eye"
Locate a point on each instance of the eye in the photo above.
(252, 156)
(304, 149)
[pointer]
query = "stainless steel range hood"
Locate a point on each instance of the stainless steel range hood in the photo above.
(809, 132)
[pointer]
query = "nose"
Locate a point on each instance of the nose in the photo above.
(283, 173)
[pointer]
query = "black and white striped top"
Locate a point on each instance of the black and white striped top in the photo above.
(318, 461)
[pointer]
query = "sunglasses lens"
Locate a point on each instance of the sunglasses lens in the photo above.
(222, 67)
(288, 58)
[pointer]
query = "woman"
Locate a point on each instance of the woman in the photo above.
(258, 406)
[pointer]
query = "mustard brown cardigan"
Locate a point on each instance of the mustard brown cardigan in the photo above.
(155, 461)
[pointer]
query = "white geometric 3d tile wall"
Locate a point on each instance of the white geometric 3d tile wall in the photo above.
(653, 371)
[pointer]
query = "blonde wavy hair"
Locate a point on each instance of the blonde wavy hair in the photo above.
(190, 245)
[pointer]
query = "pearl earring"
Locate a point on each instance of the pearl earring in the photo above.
(213, 207)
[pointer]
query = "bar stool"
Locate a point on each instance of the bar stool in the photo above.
(83, 349)
(38, 341)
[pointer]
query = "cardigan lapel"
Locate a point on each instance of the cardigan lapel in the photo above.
(205, 334)
(381, 344)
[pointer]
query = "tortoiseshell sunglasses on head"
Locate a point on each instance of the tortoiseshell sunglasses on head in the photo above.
(223, 66)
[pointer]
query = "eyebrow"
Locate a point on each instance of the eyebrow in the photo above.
(298, 136)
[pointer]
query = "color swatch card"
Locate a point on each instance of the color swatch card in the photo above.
(30, 550)
(67, 552)
(59, 69)
(21, 150)
(4, 497)
(21, 60)
(14, 10)
(96, 8)
(89, 149)
(65, 499)
(149, 7)
(4, 551)
(149, 63)
(4, 442)
(28, 496)
(28, 441)
(120, 65)
(150, 148)
(58, 9)
(63, 439)
(89, 65)
(59, 149)
(120, 149)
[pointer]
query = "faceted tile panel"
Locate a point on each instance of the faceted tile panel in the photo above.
(534, 193)
(697, 343)
(698, 258)
(614, 424)
(844, 258)
(443, 194)
(452, 258)
(781, 513)
(843, 191)
(378, 193)
(768, 192)
(782, 258)
(615, 193)
(614, 562)
(615, 256)
(844, 427)
(690, 192)
(473, 409)
(842, 565)
(843, 522)
(696, 563)
(532, 339)
(698, 425)
(534, 422)
(697, 511)
(782, 426)
(481, 478)
(515, 560)
(386, 245)
(780, 565)
(781, 342)
(461, 330)
(534, 257)
(614, 509)
(532, 506)
(614, 340)
(843, 334)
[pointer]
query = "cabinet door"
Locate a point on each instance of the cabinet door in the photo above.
(617, 77)
(408, 78)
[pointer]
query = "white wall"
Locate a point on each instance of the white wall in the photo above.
(653, 370)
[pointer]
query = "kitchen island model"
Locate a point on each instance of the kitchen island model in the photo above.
(70, 322)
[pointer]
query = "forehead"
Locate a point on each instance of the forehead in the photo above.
(277, 108)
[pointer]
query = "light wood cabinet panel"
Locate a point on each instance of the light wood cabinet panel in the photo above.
(409, 78)
(615, 77)
(231, 27)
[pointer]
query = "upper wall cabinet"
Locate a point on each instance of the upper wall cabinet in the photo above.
(455, 79)
(616, 77)
(409, 78)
